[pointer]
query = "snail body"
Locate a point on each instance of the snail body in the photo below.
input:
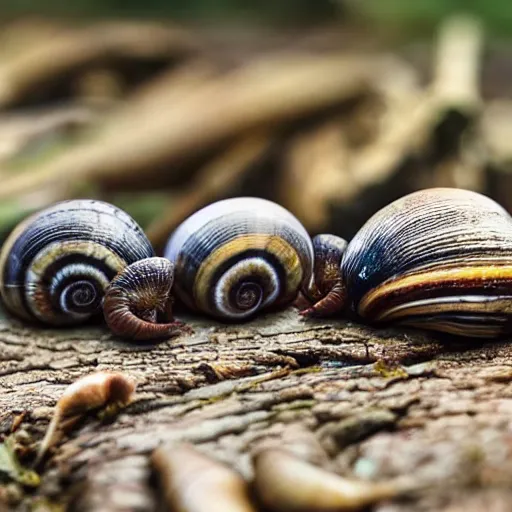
(287, 483)
(92, 391)
(239, 256)
(438, 259)
(143, 287)
(57, 265)
(192, 481)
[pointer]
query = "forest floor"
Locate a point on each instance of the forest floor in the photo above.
(378, 404)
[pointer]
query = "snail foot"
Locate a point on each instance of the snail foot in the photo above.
(332, 303)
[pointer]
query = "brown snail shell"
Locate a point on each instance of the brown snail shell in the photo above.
(439, 259)
(56, 266)
(237, 257)
(137, 296)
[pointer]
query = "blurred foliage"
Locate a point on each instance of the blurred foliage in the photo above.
(404, 18)
(410, 17)
(143, 208)
(282, 11)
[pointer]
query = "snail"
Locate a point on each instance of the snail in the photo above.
(191, 481)
(438, 259)
(146, 287)
(56, 266)
(286, 483)
(92, 391)
(326, 289)
(239, 256)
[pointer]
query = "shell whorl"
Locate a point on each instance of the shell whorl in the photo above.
(137, 296)
(238, 256)
(437, 258)
(56, 265)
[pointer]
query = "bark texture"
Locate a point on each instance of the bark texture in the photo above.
(379, 404)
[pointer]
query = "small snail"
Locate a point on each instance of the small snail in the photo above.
(326, 290)
(286, 483)
(194, 482)
(439, 259)
(92, 391)
(56, 265)
(239, 256)
(144, 287)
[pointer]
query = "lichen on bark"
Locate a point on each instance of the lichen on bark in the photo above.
(379, 404)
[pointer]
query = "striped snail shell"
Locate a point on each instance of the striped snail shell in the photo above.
(326, 290)
(144, 287)
(238, 256)
(57, 264)
(439, 259)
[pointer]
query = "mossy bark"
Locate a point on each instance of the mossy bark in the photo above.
(381, 403)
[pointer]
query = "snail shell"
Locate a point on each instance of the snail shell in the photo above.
(326, 290)
(137, 296)
(238, 256)
(56, 265)
(439, 259)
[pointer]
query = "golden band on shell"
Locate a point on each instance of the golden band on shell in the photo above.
(56, 266)
(239, 256)
(438, 259)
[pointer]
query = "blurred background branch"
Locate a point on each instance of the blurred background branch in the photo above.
(332, 108)
(405, 17)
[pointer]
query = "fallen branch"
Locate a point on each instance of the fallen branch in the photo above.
(215, 180)
(69, 52)
(264, 93)
(409, 127)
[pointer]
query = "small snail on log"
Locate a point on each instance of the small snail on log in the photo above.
(326, 290)
(239, 256)
(439, 259)
(283, 482)
(92, 391)
(194, 482)
(144, 286)
(56, 266)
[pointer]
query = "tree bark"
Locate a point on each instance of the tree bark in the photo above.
(381, 404)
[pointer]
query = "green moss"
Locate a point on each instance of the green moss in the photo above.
(295, 405)
(386, 370)
(305, 371)
(46, 505)
(11, 469)
(213, 399)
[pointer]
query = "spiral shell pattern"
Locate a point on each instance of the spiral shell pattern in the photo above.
(239, 256)
(56, 265)
(137, 297)
(439, 259)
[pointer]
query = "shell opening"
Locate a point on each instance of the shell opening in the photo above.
(249, 296)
